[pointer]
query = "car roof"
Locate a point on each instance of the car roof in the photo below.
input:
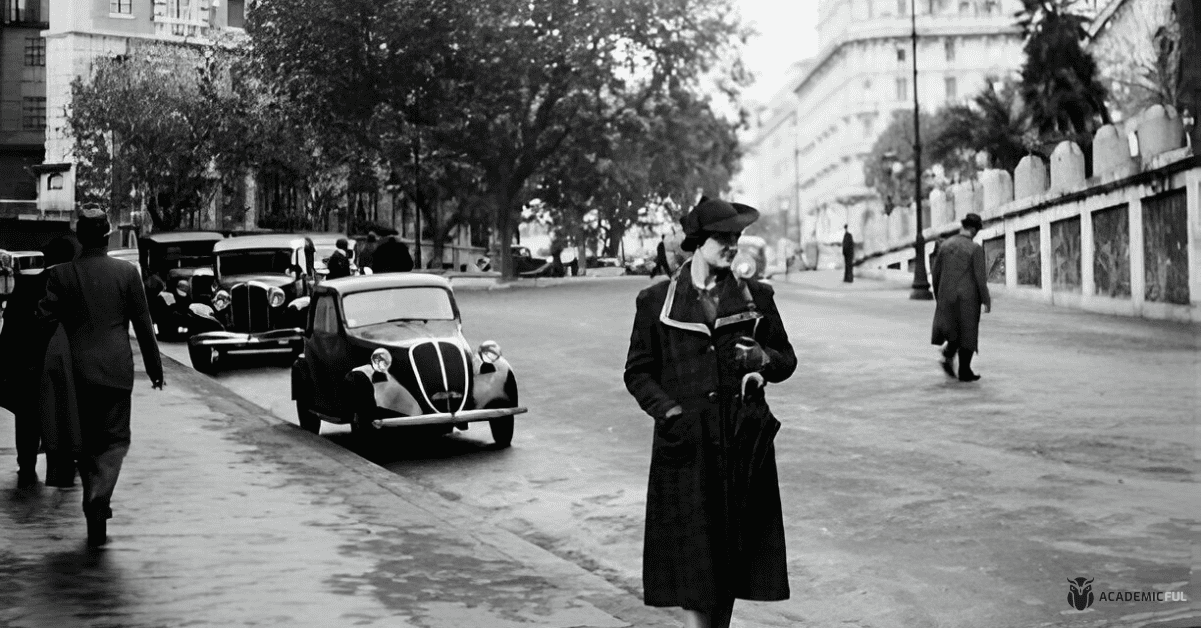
(166, 237)
(23, 253)
(383, 281)
(274, 241)
(325, 238)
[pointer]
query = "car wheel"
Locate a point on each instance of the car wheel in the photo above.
(204, 359)
(309, 422)
(502, 428)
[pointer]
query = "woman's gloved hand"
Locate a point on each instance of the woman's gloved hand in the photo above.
(748, 355)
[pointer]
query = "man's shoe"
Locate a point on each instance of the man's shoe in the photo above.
(968, 377)
(97, 531)
(948, 366)
(27, 478)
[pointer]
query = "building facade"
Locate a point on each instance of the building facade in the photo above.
(22, 100)
(807, 155)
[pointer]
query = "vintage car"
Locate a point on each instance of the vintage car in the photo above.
(388, 350)
(177, 268)
(326, 244)
(751, 260)
(259, 300)
(13, 263)
(127, 255)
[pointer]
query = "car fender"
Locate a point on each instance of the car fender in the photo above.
(300, 376)
(489, 388)
(387, 392)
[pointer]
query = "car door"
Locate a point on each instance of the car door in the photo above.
(331, 359)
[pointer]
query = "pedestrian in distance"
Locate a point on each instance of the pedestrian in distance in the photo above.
(95, 298)
(339, 261)
(960, 290)
(23, 342)
(366, 251)
(702, 348)
(848, 255)
(391, 256)
(661, 259)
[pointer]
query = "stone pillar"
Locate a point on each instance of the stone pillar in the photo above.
(1192, 182)
(1046, 256)
(1011, 256)
(1067, 167)
(1159, 130)
(1030, 177)
(1111, 153)
(939, 213)
(1138, 278)
(997, 189)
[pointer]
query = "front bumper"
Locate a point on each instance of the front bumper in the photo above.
(274, 340)
(466, 416)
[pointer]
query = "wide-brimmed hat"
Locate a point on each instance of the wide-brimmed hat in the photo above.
(972, 220)
(713, 215)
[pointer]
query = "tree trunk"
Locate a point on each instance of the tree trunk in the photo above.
(502, 252)
(581, 245)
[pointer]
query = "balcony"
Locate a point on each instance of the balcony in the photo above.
(30, 13)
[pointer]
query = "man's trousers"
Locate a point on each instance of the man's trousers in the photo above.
(104, 426)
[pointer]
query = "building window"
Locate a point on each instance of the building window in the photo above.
(35, 51)
(867, 86)
(902, 7)
(33, 113)
(867, 127)
(949, 45)
(237, 13)
(54, 182)
(952, 89)
(902, 89)
(122, 7)
(900, 55)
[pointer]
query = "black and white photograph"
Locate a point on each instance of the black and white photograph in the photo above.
(600, 313)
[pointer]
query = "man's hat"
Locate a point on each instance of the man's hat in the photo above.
(713, 215)
(92, 224)
(973, 220)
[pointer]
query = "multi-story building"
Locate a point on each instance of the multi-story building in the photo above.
(808, 152)
(22, 101)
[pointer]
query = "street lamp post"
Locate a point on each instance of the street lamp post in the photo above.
(921, 285)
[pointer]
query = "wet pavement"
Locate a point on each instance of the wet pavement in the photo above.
(227, 517)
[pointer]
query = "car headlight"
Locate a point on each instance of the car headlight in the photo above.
(489, 351)
(182, 288)
(276, 297)
(744, 266)
(220, 300)
(381, 360)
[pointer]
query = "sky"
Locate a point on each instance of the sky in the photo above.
(788, 33)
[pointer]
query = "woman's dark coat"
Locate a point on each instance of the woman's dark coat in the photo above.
(714, 527)
(960, 288)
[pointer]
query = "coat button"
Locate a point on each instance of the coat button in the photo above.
(712, 349)
(712, 396)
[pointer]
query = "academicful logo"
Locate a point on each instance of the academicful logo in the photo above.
(1080, 593)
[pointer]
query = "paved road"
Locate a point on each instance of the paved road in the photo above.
(910, 500)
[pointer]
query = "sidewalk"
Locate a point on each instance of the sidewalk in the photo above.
(227, 516)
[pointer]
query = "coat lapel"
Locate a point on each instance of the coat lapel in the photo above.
(682, 309)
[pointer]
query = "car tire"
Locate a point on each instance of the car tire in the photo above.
(502, 428)
(204, 359)
(309, 422)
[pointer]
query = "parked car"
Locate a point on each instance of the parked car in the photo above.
(640, 265)
(128, 255)
(177, 268)
(387, 350)
(259, 300)
(751, 260)
(524, 263)
(13, 263)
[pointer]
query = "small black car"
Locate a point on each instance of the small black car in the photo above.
(388, 350)
(259, 302)
(177, 268)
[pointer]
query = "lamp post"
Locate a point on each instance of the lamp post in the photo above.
(921, 285)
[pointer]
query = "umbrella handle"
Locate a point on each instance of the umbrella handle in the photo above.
(756, 378)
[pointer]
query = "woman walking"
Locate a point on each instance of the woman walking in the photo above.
(702, 348)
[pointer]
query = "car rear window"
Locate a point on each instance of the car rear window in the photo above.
(397, 304)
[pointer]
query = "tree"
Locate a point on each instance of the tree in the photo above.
(1060, 86)
(146, 116)
(889, 166)
(1140, 60)
(995, 122)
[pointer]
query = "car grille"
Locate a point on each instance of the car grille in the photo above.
(443, 375)
(251, 311)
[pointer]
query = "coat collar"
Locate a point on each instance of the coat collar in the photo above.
(682, 308)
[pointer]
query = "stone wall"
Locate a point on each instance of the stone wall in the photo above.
(1124, 241)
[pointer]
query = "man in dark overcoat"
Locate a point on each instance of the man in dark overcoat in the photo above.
(848, 255)
(960, 289)
(391, 256)
(95, 298)
(702, 345)
(23, 342)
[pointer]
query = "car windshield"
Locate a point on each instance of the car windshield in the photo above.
(252, 261)
(28, 262)
(397, 304)
(186, 254)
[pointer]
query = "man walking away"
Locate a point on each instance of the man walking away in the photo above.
(95, 298)
(960, 288)
(339, 262)
(848, 255)
(661, 259)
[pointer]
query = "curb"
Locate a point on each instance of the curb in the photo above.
(620, 603)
